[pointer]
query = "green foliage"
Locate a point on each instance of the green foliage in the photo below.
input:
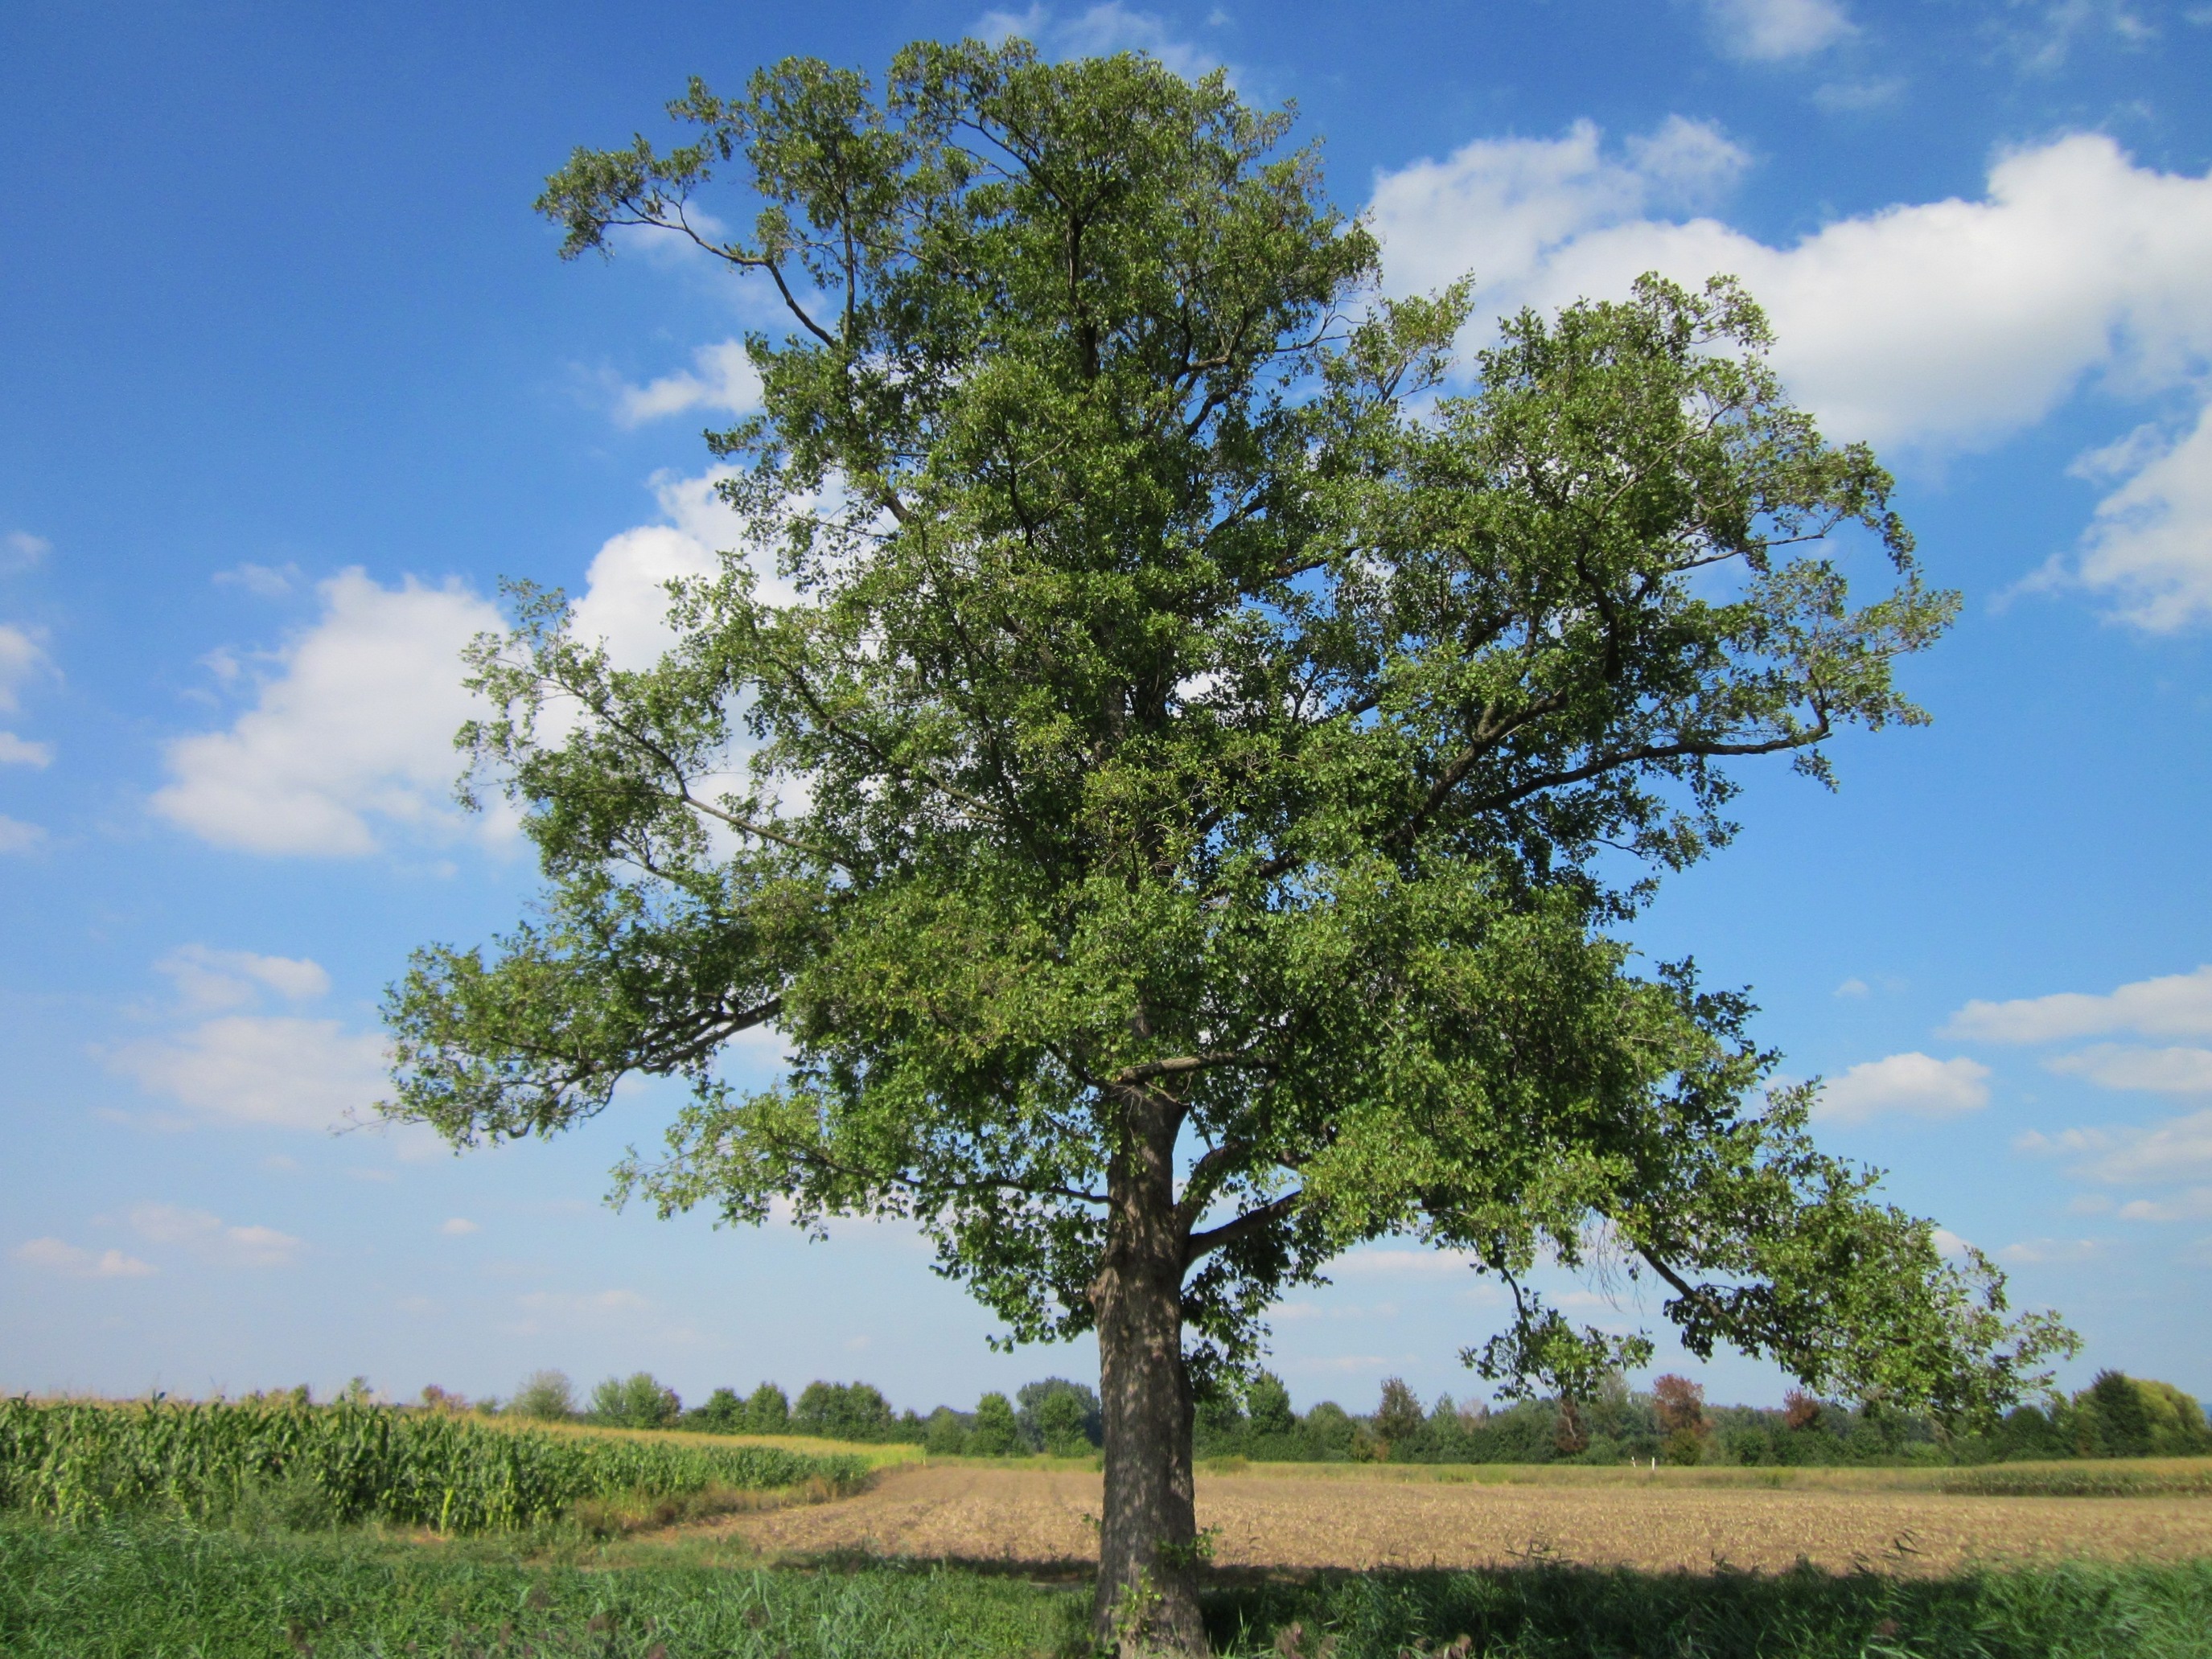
(544, 1397)
(1186, 717)
(1267, 1406)
(946, 1435)
(1059, 1416)
(843, 1411)
(347, 1463)
(993, 1433)
(636, 1401)
(2121, 1416)
(1399, 1418)
(91, 1594)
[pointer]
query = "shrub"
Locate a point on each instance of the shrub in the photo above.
(994, 1433)
(1801, 1410)
(544, 1397)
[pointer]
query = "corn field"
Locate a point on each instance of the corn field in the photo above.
(77, 1462)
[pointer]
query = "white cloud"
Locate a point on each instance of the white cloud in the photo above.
(279, 1071)
(1098, 31)
(22, 654)
(17, 836)
(208, 979)
(208, 1235)
(2175, 1151)
(1948, 323)
(352, 734)
(2191, 1205)
(2175, 1071)
(356, 725)
(2150, 544)
(2175, 1006)
(724, 380)
(20, 550)
(21, 751)
(263, 580)
(1767, 31)
(460, 1227)
(1939, 325)
(53, 1256)
(1915, 1083)
(1854, 988)
(2051, 1252)
(1950, 1246)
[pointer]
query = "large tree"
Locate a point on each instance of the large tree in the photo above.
(1182, 811)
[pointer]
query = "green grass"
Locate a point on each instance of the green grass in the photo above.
(144, 1591)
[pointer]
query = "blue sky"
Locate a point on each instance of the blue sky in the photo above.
(289, 377)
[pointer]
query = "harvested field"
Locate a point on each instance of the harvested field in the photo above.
(1041, 1518)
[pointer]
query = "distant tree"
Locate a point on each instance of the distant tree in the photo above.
(843, 1411)
(1399, 1419)
(435, 1399)
(1065, 1426)
(947, 1436)
(636, 1401)
(723, 1413)
(547, 1396)
(1179, 799)
(1328, 1432)
(1031, 1401)
(1679, 1403)
(1801, 1410)
(1267, 1406)
(767, 1410)
(993, 1433)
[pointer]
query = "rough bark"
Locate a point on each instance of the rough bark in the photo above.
(1147, 1598)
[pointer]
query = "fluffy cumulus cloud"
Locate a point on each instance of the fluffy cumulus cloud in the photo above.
(2174, 1153)
(2173, 1005)
(272, 1071)
(1936, 325)
(54, 1255)
(351, 732)
(722, 378)
(349, 743)
(1769, 31)
(1910, 1085)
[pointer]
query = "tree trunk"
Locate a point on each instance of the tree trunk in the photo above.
(1147, 1599)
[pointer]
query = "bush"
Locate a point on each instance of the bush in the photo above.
(544, 1397)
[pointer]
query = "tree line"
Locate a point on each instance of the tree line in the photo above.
(2116, 1416)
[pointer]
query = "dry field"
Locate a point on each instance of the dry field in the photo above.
(1284, 1519)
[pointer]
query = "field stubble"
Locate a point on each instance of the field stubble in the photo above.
(1302, 1522)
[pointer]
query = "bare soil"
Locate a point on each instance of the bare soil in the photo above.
(1044, 1518)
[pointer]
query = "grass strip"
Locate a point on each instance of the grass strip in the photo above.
(135, 1592)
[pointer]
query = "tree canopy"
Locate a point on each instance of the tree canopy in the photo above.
(1175, 753)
